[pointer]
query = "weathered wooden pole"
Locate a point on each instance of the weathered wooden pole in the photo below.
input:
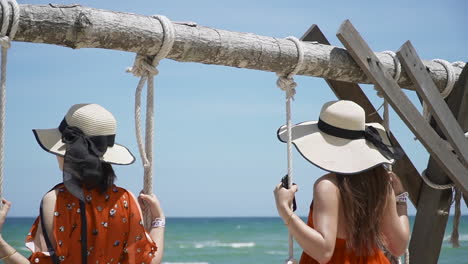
(77, 27)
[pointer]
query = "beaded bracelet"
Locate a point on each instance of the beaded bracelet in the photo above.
(158, 222)
(402, 198)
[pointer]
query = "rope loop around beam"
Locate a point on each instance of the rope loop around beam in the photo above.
(451, 79)
(145, 66)
(286, 83)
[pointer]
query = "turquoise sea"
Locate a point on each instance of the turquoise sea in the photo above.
(232, 240)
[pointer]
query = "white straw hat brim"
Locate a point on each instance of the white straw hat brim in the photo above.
(51, 141)
(335, 154)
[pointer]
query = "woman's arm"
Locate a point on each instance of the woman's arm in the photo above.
(8, 254)
(156, 233)
(317, 242)
(395, 222)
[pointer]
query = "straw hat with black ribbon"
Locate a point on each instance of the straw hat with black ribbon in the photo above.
(341, 141)
(85, 138)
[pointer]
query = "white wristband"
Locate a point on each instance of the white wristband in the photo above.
(402, 197)
(158, 222)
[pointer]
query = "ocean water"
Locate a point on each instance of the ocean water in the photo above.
(232, 240)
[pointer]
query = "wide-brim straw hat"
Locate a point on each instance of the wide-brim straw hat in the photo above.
(95, 121)
(331, 150)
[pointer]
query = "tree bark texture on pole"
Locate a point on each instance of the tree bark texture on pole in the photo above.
(77, 27)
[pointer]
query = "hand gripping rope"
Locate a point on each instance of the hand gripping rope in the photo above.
(146, 67)
(9, 7)
(286, 83)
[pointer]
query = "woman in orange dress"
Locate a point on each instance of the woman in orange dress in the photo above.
(86, 218)
(359, 207)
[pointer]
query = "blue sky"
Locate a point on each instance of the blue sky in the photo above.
(216, 151)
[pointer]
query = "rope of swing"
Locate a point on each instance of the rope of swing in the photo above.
(386, 116)
(145, 66)
(9, 7)
(286, 83)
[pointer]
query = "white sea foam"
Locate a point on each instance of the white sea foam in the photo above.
(185, 263)
(277, 252)
(211, 244)
(462, 237)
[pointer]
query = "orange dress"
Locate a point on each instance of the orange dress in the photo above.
(115, 230)
(342, 255)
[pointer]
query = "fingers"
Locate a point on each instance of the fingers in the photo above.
(6, 205)
(6, 202)
(294, 188)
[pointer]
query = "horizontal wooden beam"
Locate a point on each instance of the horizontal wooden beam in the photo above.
(435, 145)
(77, 27)
(404, 168)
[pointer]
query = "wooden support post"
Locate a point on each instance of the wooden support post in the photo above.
(373, 68)
(434, 205)
(404, 168)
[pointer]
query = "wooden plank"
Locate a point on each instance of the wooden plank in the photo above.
(434, 205)
(463, 112)
(425, 86)
(404, 168)
(371, 65)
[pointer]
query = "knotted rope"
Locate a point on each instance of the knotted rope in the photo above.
(386, 116)
(454, 237)
(286, 83)
(451, 79)
(396, 77)
(146, 67)
(8, 7)
(448, 87)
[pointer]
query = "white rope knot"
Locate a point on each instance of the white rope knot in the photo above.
(286, 81)
(459, 64)
(287, 84)
(448, 87)
(142, 67)
(396, 62)
(450, 76)
(396, 77)
(5, 42)
(146, 68)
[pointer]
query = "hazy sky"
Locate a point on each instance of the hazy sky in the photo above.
(216, 151)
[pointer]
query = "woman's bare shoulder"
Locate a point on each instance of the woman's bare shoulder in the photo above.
(50, 198)
(326, 184)
(328, 180)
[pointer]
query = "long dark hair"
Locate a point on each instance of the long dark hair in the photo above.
(364, 197)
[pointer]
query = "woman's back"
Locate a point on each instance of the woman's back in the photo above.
(115, 233)
(341, 254)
